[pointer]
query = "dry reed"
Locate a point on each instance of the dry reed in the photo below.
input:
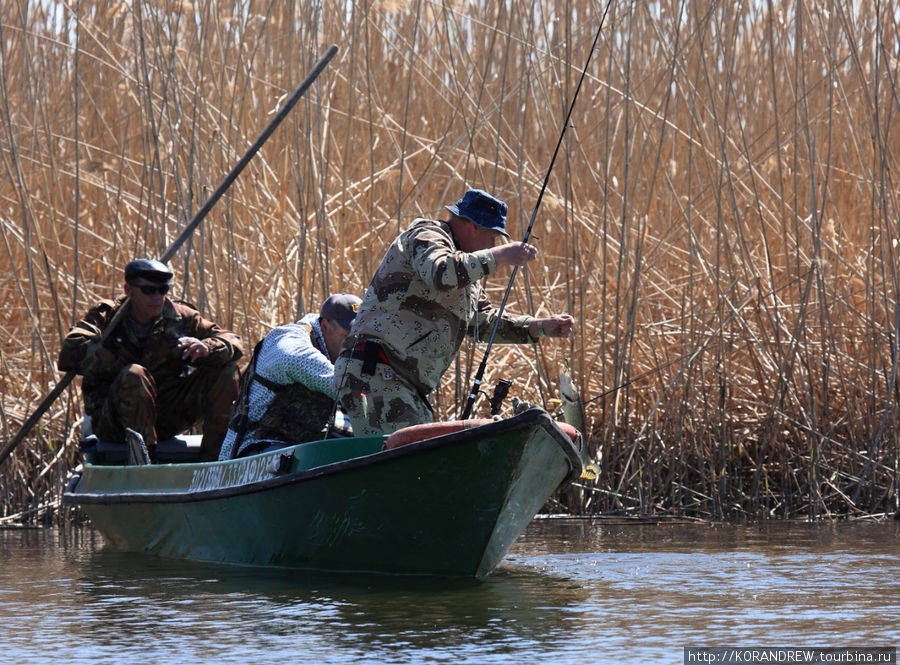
(722, 223)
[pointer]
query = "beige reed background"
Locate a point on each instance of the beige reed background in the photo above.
(722, 219)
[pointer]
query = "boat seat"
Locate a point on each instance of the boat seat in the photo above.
(181, 448)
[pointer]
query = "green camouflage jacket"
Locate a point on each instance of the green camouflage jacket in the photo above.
(425, 299)
(82, 352)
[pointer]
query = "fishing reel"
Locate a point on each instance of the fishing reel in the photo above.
(501, 390)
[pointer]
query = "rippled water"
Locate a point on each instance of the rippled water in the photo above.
(571, 591)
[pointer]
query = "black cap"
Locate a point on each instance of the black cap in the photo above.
(341, 307)
(149, 269)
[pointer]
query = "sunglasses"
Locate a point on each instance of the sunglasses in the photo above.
(149, 290)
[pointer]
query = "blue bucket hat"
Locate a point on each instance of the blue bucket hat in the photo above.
(483, 209)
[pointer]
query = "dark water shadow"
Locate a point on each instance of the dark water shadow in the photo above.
(319, 611)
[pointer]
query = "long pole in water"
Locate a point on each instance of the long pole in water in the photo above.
(181, 239)
(479, 375)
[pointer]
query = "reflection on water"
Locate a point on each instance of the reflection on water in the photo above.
(781, 583)
(571, 591)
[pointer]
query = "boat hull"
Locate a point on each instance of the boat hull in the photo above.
(451, 505)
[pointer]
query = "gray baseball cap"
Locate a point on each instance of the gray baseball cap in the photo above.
(340, 307)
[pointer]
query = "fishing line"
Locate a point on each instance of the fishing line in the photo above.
(479, 375)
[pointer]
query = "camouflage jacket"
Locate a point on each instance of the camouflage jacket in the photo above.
(425, 299)
(99, 364)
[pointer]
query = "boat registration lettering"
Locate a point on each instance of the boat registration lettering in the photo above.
(241, 472)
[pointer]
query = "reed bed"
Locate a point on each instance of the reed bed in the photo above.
(722, 220)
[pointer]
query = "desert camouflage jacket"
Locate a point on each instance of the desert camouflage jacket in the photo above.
(82, 352)
(425, 299)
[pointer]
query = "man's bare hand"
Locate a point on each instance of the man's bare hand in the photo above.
(192, 348)
(514, 253)
(558, 325)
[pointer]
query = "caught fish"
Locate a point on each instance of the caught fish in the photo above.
(573, 414)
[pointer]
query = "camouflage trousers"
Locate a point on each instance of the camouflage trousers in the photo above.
(159, 412)
(378, 403)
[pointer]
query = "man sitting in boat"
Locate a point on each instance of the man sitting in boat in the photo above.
(161, 370)
(424, 299)
(288, 389)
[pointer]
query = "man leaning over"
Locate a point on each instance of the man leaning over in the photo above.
(287, 390)
(424, 299)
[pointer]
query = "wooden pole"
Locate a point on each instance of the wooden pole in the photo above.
(179, 241)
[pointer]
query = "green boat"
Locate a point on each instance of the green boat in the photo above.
(446, 505)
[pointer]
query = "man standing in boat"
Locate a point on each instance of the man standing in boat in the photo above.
(288, 389)
(160, 371)
(424, 299)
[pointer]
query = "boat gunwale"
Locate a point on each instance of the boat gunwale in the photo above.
(533, 416)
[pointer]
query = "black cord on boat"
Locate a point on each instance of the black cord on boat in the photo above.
(479, 375)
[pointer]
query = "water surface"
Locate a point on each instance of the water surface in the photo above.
(570, 591)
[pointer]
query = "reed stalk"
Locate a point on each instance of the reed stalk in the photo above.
(723, 222)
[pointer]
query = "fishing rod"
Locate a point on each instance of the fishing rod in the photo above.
(479, 375)
(180, 240)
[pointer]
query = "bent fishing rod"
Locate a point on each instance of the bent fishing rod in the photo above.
(479, 375)
(180, 240)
